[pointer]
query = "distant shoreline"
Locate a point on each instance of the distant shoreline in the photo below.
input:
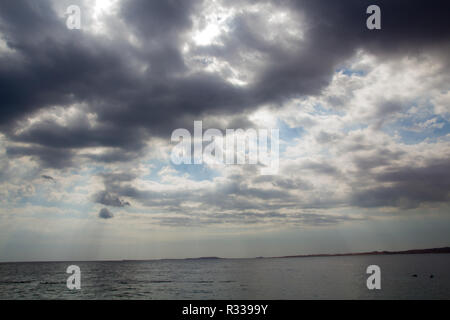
(371, 253)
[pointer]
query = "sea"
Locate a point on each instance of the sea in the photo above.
(418, 276)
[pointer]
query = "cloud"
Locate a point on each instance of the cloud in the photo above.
(105, 214)
(153, 89)
(272, 219)
(108, 199)
(408, 187)
(98, 103)
(48, 178)
(48, 157)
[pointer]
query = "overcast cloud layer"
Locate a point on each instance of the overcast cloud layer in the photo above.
(87, 115)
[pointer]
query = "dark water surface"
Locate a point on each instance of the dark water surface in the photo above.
(293, 278)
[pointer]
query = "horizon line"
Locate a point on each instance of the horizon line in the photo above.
(437, 250)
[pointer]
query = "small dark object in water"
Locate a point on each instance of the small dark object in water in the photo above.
(414, 275)
(431, 276)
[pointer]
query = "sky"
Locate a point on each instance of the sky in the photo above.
(87, 117)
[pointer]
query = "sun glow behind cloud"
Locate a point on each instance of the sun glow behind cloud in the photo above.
(101, 10)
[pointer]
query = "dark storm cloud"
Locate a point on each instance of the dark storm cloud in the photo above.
(48, 157)
(160, 19)
(52, 65)
(118, 155)
(408, 187)
(407, 26)
(334, 32)
(79, 134)
(105, 214)
(109, 199)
